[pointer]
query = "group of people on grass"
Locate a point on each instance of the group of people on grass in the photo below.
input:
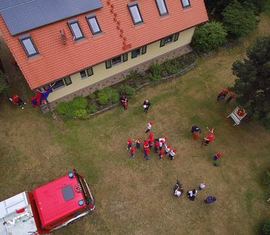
(124, 103)
(178, 191)
(158, 145)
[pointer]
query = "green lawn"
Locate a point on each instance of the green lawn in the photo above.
(134, 196)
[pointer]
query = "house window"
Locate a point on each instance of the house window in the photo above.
(116, 60)
(169, 39)
(89, 71)
(67, 81)
(83, 73)
(57, 84)
(185, 3)
(61, 83)
(162, 7)
(94, 25)
(135, 13)
(76, 30)
(139, 51)
(29, 46)
(86, 73)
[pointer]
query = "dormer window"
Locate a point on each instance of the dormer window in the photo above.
(93, 24)
(185, 3)
(76, 30)
(162, 7)
(29, 46)
(135, 13)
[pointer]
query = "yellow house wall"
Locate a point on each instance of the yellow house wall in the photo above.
(101, 73)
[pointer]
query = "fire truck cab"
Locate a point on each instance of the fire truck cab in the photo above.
(47, 208)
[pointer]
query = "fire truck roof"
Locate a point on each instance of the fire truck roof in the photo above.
(58, 199)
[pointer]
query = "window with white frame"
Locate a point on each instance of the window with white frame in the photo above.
(86, 73)
(76, 30)
(135, 13)
(93, 24)
(29, 46)
(185, 3)
(139, 51)
(116, 60)
(169, 39)
(66, 81)
(162, 7)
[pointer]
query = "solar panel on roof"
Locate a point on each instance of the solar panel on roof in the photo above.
(23, 15)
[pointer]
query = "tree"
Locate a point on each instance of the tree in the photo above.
(266, 228)
(239, 19)
(209, 37)
(253, 84)
(216, 7)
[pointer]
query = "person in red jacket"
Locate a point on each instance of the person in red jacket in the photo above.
(132, 151)
(151, 140)
(156, 145)
(17, 101)
(129, 144)
(161, 154)
(146, 150)
(147, 153)
(210, 138)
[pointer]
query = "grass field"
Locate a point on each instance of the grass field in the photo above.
(134, 196)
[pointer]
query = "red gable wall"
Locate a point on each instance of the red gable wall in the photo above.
(57, 60)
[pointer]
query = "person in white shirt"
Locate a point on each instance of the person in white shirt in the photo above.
(148, 127)
(192, 194)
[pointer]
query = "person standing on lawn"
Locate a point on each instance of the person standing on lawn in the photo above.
(146, 150)
(124, 102)
(156, 145)
(172, 154)
(146, 105)
(151, 140)
(148, 127)
(167, 149)
(221, 96)
(210, 138)
(129, 144)
(196, 131)
(161, 154)
(217, 157)
(138, 143)
(132, 152)
(192, 194)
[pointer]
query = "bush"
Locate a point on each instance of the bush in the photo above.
(77, 108)
(108, 96)
(155, 71)
(80, 113)
(266, 228)
(79, 103)
(92, 108)
(239, 20)
(134, 75)
(126, 90)
(209, 37)
(169, 67)
(266, 178)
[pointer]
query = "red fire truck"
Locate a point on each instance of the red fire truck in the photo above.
(48, 207)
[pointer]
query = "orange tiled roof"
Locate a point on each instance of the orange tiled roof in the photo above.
(57, 60)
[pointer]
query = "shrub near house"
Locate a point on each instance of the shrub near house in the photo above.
(209, 37)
